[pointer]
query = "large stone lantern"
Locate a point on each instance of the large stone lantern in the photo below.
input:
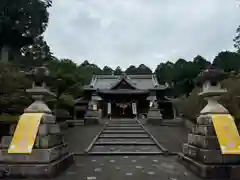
(50, 154)
(211, 90)
(203, 154)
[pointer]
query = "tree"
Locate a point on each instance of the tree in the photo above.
(131, 70)
(13, 98)
(87, 70)
(107, 70)
(65, 75)
(20, 22)
(228, 61)
(165, 72)
(118, 71)
(36, 54)
(236, 40)
(143, 69)
(201, 63)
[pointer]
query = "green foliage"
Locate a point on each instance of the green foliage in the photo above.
(118, 71)
(107, 70)
(29, 18)
(36, 54)
(182, 73)
(141, 69)
(9, 118)
(228, 61)
(13, 98)
(21, 22)
(192, 105)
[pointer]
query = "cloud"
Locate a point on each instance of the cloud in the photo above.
(124, 32)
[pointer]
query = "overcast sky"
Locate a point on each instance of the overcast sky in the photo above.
(124, 32)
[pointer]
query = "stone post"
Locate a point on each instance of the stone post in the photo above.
(50, 154)
(202, 153)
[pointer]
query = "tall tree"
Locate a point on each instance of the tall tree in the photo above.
(228, 61)
(143, 69)
(237, 40)
(118, 71)
(20, 22)
(107, 70)
(201, 63)
(131, 70)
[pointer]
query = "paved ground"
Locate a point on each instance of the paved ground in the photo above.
(126, 167)
(170, 137)
(78, 138)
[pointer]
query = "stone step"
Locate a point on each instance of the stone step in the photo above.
(125, 148)
(124, 136)
(123, 122)
(123, 125)
(123, 140)
(124, 143)
(123, 131)
(124, 128)
(126, 153)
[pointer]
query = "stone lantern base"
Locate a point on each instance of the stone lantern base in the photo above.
(154, 116)
(92, 117)
(50, 155)
(202, 154)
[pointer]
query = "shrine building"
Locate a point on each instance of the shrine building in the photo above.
(124, 96)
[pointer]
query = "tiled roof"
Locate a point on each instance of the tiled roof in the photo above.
(141, 82)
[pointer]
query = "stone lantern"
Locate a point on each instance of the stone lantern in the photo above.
(211, 90)
(154, 115)
(93, 115)
(39, 90)
(202, 153)
(50, 154)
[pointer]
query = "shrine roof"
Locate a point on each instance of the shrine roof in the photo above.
(139, 82)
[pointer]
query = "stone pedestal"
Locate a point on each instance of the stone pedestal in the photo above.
(154, 116)
(202, 154)
(92, 117)
(50, 154)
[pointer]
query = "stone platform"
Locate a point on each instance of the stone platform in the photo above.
(42, 170)
(218, 171)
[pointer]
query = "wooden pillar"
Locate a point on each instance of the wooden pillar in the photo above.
(134, 109)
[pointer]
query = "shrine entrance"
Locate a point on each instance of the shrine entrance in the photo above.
(122, 110)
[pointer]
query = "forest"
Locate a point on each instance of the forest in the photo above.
(23, 47)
